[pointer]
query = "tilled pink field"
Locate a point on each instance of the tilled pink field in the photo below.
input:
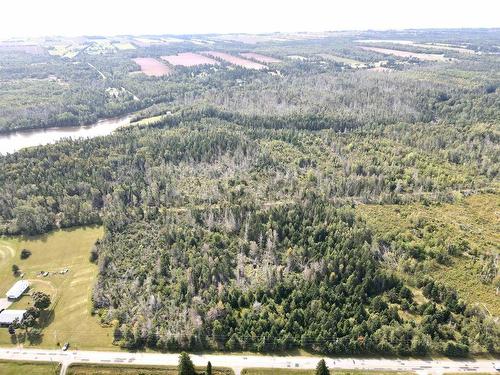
(189, 59)
(152, 67)
(260, 58)
(235, 60)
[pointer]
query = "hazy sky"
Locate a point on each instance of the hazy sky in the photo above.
(111, 17)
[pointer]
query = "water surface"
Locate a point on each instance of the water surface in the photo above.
(16, 140)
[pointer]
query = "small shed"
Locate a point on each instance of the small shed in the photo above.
(17, 289)
(8, 316)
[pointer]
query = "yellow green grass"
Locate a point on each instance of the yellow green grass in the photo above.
(28, 368)
(344, 60)
(473, 219)
(70, 319)
(94, 369)
(148, 120)
(275, 371)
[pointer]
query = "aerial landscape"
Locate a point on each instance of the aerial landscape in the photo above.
(305, 202)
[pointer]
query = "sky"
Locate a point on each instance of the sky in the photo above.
(21, 18)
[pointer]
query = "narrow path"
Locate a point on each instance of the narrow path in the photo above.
(97, 70)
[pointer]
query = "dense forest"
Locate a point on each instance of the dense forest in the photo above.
(239, 218)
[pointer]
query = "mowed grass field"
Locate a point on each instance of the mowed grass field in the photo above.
(474, 219)
(90, 369)
(70, 319)
(28, 368)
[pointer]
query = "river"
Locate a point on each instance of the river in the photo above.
(16, 140)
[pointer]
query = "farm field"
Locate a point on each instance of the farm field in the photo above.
(90, 369)
(70, 319)
(474, 220)
(353, 63)
(406, 54)
(235, 60)
(124, 46)
(28, 368)
(259, 57)
(189, 59)
(439, 46)
(152, 67)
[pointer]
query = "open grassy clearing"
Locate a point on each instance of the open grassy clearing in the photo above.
(399, 53)
(148, 120)
(91, 369)
(28, 368)
(344, 60)
(275, 371)
(260, 58)
(473, 219)
(70, 319)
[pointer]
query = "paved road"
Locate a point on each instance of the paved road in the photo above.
(238, 362)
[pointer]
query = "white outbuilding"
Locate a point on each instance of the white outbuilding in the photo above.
(7, 317)
(17, 289)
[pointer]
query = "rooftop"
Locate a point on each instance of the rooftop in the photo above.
(17, 289)
(8, 316)
(4, 303)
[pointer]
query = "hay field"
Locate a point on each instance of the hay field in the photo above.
(70, 319)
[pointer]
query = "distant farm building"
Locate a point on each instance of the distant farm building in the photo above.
(7, 317)
(17, 289)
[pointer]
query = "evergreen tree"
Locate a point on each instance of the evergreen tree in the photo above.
(186, 366)
(209, 368)
(321, 368)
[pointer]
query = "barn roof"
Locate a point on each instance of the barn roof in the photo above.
(8, 316)
(17, 289)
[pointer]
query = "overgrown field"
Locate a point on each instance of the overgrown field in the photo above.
(88, 369)
(420, 240)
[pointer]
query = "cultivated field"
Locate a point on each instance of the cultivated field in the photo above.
(343, 60)
(189, 59)
(70, 319)
(260, 58)
(28, 368)
(439, 46)
(407, 54)
(235, 60)
(123, 46)
(152, 67)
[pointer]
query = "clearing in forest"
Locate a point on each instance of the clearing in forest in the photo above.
(189, 59)
(260, 58)
(70, 319)
(152, 67)
(408, 54)
(235, 60)
(344, 60)
(473, 220)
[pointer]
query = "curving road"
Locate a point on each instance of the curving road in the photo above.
(238, 362)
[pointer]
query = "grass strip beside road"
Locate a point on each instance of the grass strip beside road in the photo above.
(28, 368)
(97, 369)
